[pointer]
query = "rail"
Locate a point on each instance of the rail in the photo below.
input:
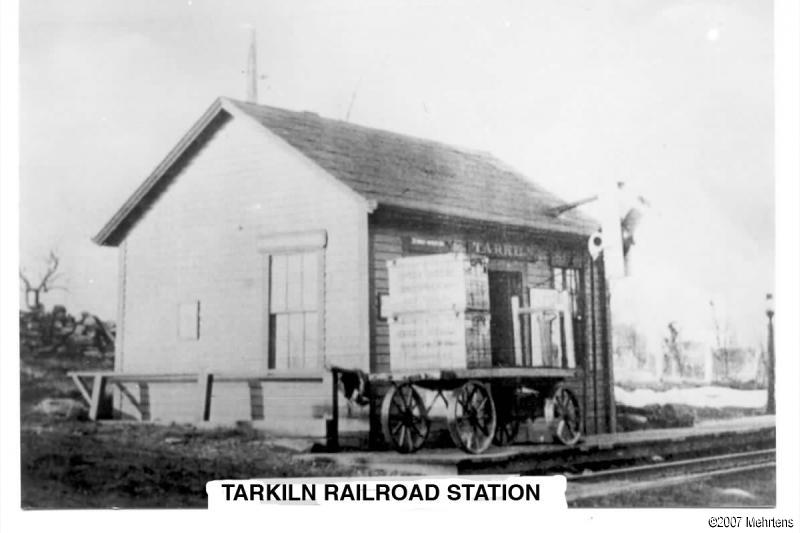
(654, 476)
(710, 463)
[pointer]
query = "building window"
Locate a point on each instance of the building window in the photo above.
(294, 310)
(570, 280)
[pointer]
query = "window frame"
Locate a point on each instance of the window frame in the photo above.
(284, 245)
(578, 299)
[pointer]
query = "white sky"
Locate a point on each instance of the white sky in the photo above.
(674, 97)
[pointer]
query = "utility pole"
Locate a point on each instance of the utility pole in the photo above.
(770, 356)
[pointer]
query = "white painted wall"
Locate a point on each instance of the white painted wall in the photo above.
(199, 242)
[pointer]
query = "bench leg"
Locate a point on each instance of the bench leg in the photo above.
(98, 397)
(205, 382)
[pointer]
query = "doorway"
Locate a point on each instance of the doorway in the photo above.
(502, 286)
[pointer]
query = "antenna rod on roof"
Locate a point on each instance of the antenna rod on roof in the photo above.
(353, 99)
(252, 69)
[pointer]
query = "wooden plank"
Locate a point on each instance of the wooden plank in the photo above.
(125, 392)
(279, 376)
(98, 391)
(475, 373)
(386, 244)
(152, 378)
(517, 334)
(115, 228)
(256, 400)
(144, 400)
(81, 386)
(332, 429)
(312, 376)
(205, 383)
(608, 349)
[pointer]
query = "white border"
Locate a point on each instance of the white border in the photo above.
(12, 519)
(9, 261)
(787, 260)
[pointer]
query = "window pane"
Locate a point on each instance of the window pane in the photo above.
(282, 341)
(538, 339)
(558, 279)
(296, 343)
(571, 286)
(311, 341)
(555, 341)
(278, 284)
(294, 305)
(294, 273)
(574, 287)
(310, 277)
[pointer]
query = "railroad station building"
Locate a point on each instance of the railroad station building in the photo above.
(257, 252)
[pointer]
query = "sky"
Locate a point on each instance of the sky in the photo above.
(675, 98)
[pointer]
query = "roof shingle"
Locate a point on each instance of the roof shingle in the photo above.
(387, 168)
(402, 171)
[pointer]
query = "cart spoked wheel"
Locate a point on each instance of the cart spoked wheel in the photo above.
(404, 419)
(564, 413)
(471, 418)
(506, 432)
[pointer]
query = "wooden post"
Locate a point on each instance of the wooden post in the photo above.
(98, 394)
(81, 386)
(587, 342)
(593, 290)
(333, 423)
(144, 401)
(608, 348)
(770, 357)
(256, 399)
(516, 327)
(205, 382)
(567, 335)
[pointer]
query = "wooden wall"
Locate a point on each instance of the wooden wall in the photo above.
(199, 242)
(387, 232)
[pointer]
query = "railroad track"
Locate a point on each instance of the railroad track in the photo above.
(592, 484)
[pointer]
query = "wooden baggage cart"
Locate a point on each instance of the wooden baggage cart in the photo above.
(484, 405)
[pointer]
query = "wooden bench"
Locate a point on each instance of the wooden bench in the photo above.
(93, 386)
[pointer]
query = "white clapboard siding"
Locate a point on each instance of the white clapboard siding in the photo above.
(198, 242)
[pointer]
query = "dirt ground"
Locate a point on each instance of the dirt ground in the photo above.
(74, 463)
(82, 464)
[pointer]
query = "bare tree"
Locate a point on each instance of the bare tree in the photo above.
(46, 283)
(725, 353)
(674, 356)
(630, 343)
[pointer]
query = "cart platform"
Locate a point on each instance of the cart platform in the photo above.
(494, 373)
(484, 405)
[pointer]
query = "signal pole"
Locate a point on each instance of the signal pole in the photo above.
(770, 356)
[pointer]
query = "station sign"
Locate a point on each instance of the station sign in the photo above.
(492, 249)
(503, 250)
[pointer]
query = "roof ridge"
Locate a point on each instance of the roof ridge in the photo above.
(450, 146)
(381, 166)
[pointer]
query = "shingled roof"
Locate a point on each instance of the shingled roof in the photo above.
(391, 170)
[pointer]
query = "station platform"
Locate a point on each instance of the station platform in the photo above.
(720, 436)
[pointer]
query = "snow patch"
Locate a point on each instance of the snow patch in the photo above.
(709, 396)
